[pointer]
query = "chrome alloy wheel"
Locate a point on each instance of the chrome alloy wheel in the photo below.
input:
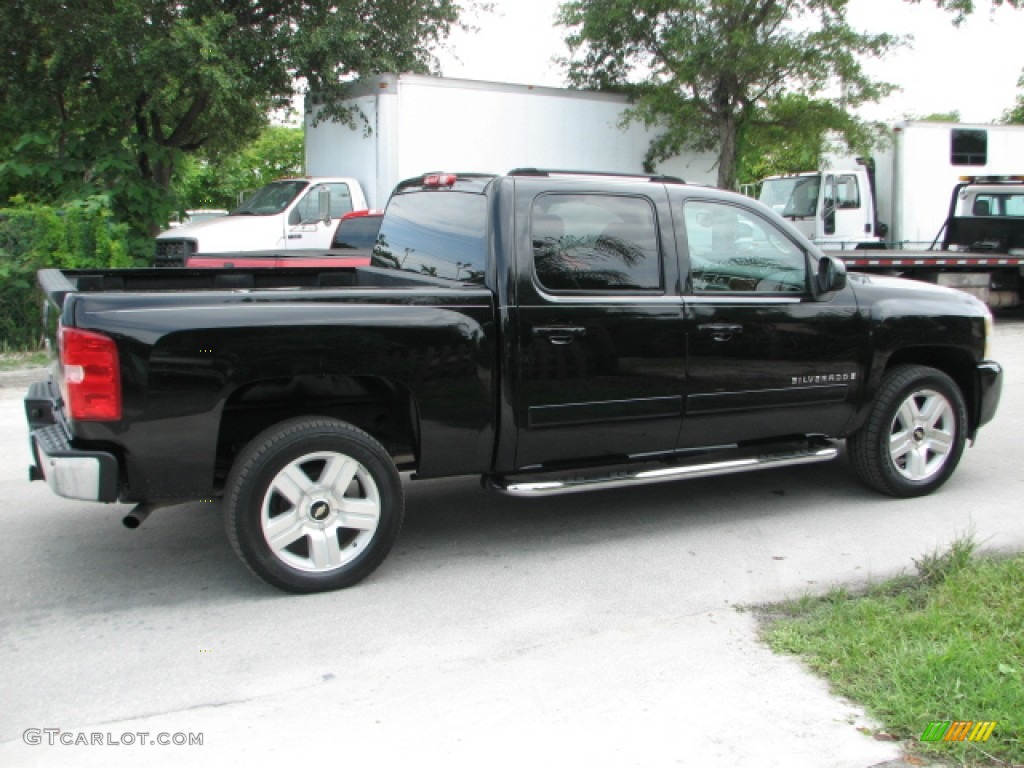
(320, 512)
(922, 435)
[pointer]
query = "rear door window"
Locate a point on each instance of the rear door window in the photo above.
(595, 243)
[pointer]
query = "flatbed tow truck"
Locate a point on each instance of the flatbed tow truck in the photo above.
(980, 248)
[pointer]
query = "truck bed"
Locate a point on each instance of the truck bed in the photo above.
(210, 357)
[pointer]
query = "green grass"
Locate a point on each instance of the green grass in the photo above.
(12, 361)
(946, 644)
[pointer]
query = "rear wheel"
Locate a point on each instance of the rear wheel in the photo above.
(313, 505)
(914, 435)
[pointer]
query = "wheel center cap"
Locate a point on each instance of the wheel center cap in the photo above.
(320, 510)
(919, 434)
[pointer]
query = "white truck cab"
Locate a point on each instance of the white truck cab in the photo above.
(297, 213)
(999, 196)
(834, 208)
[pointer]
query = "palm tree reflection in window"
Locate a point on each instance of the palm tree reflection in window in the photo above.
(605, 261)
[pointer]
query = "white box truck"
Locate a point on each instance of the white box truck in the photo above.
(416, 124)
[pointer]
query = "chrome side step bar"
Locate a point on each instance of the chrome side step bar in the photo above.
(520, 485)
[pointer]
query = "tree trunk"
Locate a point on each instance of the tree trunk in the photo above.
(727, 156)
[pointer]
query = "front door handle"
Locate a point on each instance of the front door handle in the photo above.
(720, 331)
(560, 334)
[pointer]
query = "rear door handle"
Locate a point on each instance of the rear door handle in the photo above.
(720, 331)
(559, 334)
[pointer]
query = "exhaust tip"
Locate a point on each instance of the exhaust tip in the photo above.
(136, 517)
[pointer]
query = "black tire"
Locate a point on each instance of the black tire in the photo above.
(914, 434)
(313, 505)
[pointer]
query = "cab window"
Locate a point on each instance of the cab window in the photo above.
(733, 249)
(439, 234)
(595, 243)
(998, 205)
(341, 202)
(847, 192)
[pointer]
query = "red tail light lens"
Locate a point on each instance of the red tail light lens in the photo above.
(91, 383)
(440, 180)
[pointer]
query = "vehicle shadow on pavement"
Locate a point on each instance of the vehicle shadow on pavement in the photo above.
(181, 553)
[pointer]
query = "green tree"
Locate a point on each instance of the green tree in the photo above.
(110, 96)
(206, 181)
(1015, 115)
(710, 73)
(964, 8)
(953, 116)
(791, 134)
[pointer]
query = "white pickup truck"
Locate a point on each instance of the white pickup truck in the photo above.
(298, 213)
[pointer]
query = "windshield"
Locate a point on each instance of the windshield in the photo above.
(792, 195)
(271, 199)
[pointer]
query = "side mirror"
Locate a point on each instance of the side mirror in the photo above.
(323, 204)
(828, 214)
(831, 275)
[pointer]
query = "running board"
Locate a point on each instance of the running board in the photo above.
(514, 485)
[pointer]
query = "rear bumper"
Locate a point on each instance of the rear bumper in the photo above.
(990, 387)
(70, 472)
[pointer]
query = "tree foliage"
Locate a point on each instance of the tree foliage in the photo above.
(722, 74)
(80, 234)
(109, 96)
(961, 9)
(216, 181)
(1015, 115)
(792, 133)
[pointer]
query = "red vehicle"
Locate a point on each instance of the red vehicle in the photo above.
(350, 247)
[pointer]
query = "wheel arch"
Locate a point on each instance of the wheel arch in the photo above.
(955, 362)
(381, 407)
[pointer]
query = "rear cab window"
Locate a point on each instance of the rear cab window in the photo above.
(436, 231)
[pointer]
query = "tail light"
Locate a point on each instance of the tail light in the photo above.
(91, 380)
(439, 180)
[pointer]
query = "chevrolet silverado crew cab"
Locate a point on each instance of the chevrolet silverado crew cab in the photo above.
(551, 332)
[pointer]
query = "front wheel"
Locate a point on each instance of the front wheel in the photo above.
(313, 505)
(914, 434)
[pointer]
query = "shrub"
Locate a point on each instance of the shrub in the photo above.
(78, 235)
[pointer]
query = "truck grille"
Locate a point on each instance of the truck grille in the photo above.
(173, 253)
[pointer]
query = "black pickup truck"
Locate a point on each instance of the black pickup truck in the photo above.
(550, 332)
